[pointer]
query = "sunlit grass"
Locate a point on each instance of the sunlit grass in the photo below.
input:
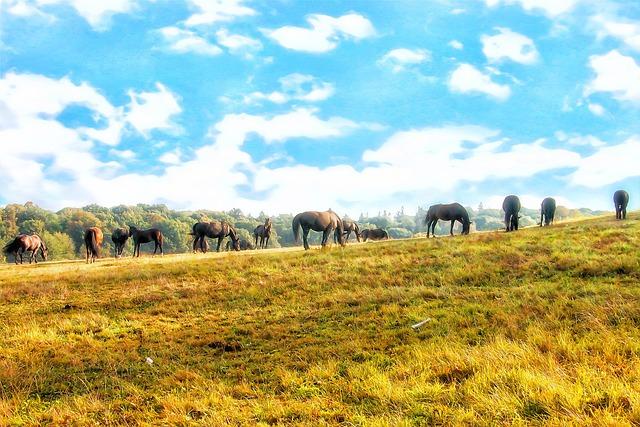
(538, 326)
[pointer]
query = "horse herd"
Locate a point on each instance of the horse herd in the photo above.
(327, 222)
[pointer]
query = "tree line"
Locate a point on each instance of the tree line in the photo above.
(63, 230)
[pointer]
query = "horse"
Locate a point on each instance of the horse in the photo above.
(214, 229)
(349, 226)
(92, 242)
(24, 243)
(119, 238)
(244, 245)
(145, 236)
(325, 222)
(621, 200)
(511, 206)
(374, 234)
(452, 212)
(263, 231)
(547, 211)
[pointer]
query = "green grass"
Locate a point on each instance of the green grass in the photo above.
(541, 326)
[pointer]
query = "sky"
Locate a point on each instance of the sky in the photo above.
(282, 106)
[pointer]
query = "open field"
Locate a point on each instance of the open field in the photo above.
(537, 326)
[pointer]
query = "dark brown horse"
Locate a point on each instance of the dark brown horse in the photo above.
(145, 236)
(92, 242)
(24, 243)
(325, 222)
(263, 231)
(511, 207)
(244, 245)
(374, 234)
(119, 238)
(349, 226)
(452, 212)
(547, 211)
(215, 230)
(621, 200)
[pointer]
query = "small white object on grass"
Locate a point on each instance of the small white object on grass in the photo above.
(417, 325)
(149, 361)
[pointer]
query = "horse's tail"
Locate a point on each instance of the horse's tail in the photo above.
(95, 249)
(193, 230)
(11, 247)
(296, 228)
(541, 213)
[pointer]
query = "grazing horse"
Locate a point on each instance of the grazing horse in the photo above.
(374, 234)
(24, 243)
(349, 226)
(547, 211)
(145, 236)
(119, 238)
(621, 200)
(92, 242)
(263, 231)
(244, 245)
(452, 212)
(325, 222)
(213, 229)
(511, 207)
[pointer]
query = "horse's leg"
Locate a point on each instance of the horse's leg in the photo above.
(266, 241)
(325, 236)
(624, 213)
(220, 239)
(453, 221)
(305, 238)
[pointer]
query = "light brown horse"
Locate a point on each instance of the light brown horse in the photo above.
(325, 222)
(263, 231)
(24, 243)
(92, 241)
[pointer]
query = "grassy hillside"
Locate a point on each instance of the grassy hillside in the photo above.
(542, 325)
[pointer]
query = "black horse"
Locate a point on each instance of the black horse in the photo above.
(215, 230)
(452, 212)
(244, 245)
(325, 222)
(511, 207)
(263, 232)
(348, 226)
(374, 234)
(92, 242)
(547, 211)
(119, 238)
(145, 236)
(621, 200)
(24, 243)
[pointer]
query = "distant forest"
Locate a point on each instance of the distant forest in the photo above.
(63, 230)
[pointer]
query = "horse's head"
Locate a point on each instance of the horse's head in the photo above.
(466, 226)
(132, 229)
(235, 239)
(44, 252)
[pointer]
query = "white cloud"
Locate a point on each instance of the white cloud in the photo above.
(184, 41)
(508, 44)
(97, 13)
(628, 31)
(213, 11)
(152, 110)
(608, 165)
(616, 74)
(468, 79)
(171, 157)
(580, 140)
(325, 32)
(402, 58)
(456, 44)
(551, 8)
(123, 154)
(238, 44)
(596, 109)
(299, 87)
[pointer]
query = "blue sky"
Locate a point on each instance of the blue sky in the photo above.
(283, 106)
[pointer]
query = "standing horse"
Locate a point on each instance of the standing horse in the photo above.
(119, 238)
(92, 242)
(511, 207)
(349, 226)
(145, 236)
(374, 234)
(547, 211)
(263, 231)
(621, 200)
(325, 222)
(24, 243)
(452, 212)
(213, 229)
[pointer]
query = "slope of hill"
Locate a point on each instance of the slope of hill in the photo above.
(538, 325)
